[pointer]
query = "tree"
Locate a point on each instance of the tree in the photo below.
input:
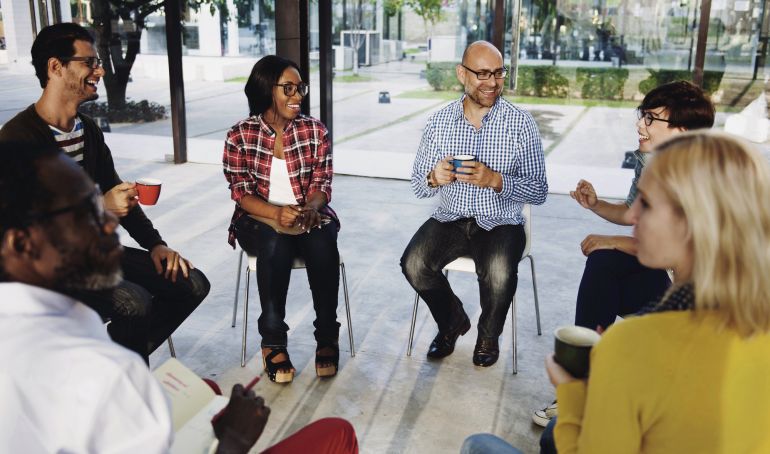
(357, 27)
(118, 25)
(429, 11)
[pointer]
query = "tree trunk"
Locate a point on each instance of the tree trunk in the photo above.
(117, 67)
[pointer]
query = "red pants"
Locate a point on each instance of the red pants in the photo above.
(325, 436)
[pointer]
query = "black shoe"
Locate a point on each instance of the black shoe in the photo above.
(486, 352)
(444, 343)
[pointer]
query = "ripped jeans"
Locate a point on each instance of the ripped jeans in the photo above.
(496, 253)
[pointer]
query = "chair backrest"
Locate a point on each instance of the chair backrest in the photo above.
(526, 211)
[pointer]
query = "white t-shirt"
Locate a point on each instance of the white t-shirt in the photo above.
(65, 387)
(280, 192)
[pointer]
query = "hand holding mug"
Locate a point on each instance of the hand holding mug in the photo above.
(121, 199)
(443, 172)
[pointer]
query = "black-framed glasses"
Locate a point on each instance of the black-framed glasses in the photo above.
(648, 117)
(289, 89)
(91, 62)
(93, 204)
(499, 73)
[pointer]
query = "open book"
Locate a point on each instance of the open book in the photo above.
(193, 404)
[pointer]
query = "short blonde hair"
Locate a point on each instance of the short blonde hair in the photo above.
(721, 186)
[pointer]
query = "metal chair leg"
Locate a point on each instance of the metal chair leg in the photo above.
(414, 320)
(513, 336)
(347, 310)
(534, 288)
(237, 285)
(245, 319)
(171, 347)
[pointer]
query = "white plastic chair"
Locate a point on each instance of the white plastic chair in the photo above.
(298, 264)
(466, 264)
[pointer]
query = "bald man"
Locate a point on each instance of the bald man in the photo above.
(480, 209)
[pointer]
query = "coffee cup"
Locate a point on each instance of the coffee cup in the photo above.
(457, 161)
(148, 190)
(572, 348)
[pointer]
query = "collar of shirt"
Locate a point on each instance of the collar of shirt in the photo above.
(459, 110)
(267, 129)
(24, 299)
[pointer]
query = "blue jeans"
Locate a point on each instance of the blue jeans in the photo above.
(487, 444)
(547, 442)
(275, 254)
(496, 254)
(615, 283)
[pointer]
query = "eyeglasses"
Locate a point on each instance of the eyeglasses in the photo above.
(91, 62)
(93, 204)
(648, 117)
(499, 73)
(289, 89)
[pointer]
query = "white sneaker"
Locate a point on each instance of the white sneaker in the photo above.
(544, 416)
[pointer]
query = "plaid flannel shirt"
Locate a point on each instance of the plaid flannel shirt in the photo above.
(248, 156)
(508, 142)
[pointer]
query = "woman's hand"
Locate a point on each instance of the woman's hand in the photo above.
(310, 218)
(557, 374)
(288, 215)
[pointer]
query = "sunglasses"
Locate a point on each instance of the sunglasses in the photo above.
(91, 62)
(290, 89)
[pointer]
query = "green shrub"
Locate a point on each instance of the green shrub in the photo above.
(542, 81)
(442, 76)
(135, 112)
(711, 79)
(601, 83)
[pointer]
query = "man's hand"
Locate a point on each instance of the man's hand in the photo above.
(241, 422)
(121, 199)
(478, 174)
(288, 215)
(442, 173)
(557, 374)
(585, 194)
(174, 262)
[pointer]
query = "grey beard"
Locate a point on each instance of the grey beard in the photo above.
(94, 281)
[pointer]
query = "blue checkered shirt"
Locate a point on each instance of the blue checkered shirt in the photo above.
(508, 142)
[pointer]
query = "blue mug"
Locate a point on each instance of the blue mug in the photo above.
(457, 161)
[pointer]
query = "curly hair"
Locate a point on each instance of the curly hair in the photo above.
(687, 106)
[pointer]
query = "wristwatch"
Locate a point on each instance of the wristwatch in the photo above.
(431, 182)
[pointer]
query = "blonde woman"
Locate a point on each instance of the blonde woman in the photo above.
(693, 375)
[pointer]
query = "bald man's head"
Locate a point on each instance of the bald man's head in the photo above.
(480, 46)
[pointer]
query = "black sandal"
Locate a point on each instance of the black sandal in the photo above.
(276, 371)
(327, 365)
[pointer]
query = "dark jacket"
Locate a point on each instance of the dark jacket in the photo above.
(28, 127)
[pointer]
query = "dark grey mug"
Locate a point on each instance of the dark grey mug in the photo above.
(572, 348)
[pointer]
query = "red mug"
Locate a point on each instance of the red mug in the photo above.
(149, 190)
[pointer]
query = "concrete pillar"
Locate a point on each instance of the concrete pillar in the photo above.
(208, 33)
(18, 34)
(232, 30)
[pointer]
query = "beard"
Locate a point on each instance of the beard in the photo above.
(95, 268)
(474, 96)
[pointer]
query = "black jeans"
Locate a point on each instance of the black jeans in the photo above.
(275, 254)
(496, 254)
(145, 308)
(615, 283)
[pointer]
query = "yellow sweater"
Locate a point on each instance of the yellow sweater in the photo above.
(669, 383)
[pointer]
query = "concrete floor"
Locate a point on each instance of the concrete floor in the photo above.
(396, 403)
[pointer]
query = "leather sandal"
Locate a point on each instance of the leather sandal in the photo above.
(327, 365)
(277, 372)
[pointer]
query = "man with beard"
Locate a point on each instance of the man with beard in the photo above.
(160, 288)
(64, 385)
(480, 211)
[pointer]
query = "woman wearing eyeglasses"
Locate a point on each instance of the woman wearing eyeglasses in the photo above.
(279, 166)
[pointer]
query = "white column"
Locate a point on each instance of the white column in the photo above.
(232, 30)
(208, 32)
(18, 34)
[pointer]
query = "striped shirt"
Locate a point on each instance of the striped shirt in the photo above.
(508, 142)
(641, 160)
(71, 143)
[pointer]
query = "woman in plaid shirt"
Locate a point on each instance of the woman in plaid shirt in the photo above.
(285, 180)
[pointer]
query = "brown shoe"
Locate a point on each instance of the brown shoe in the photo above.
(486, 352)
